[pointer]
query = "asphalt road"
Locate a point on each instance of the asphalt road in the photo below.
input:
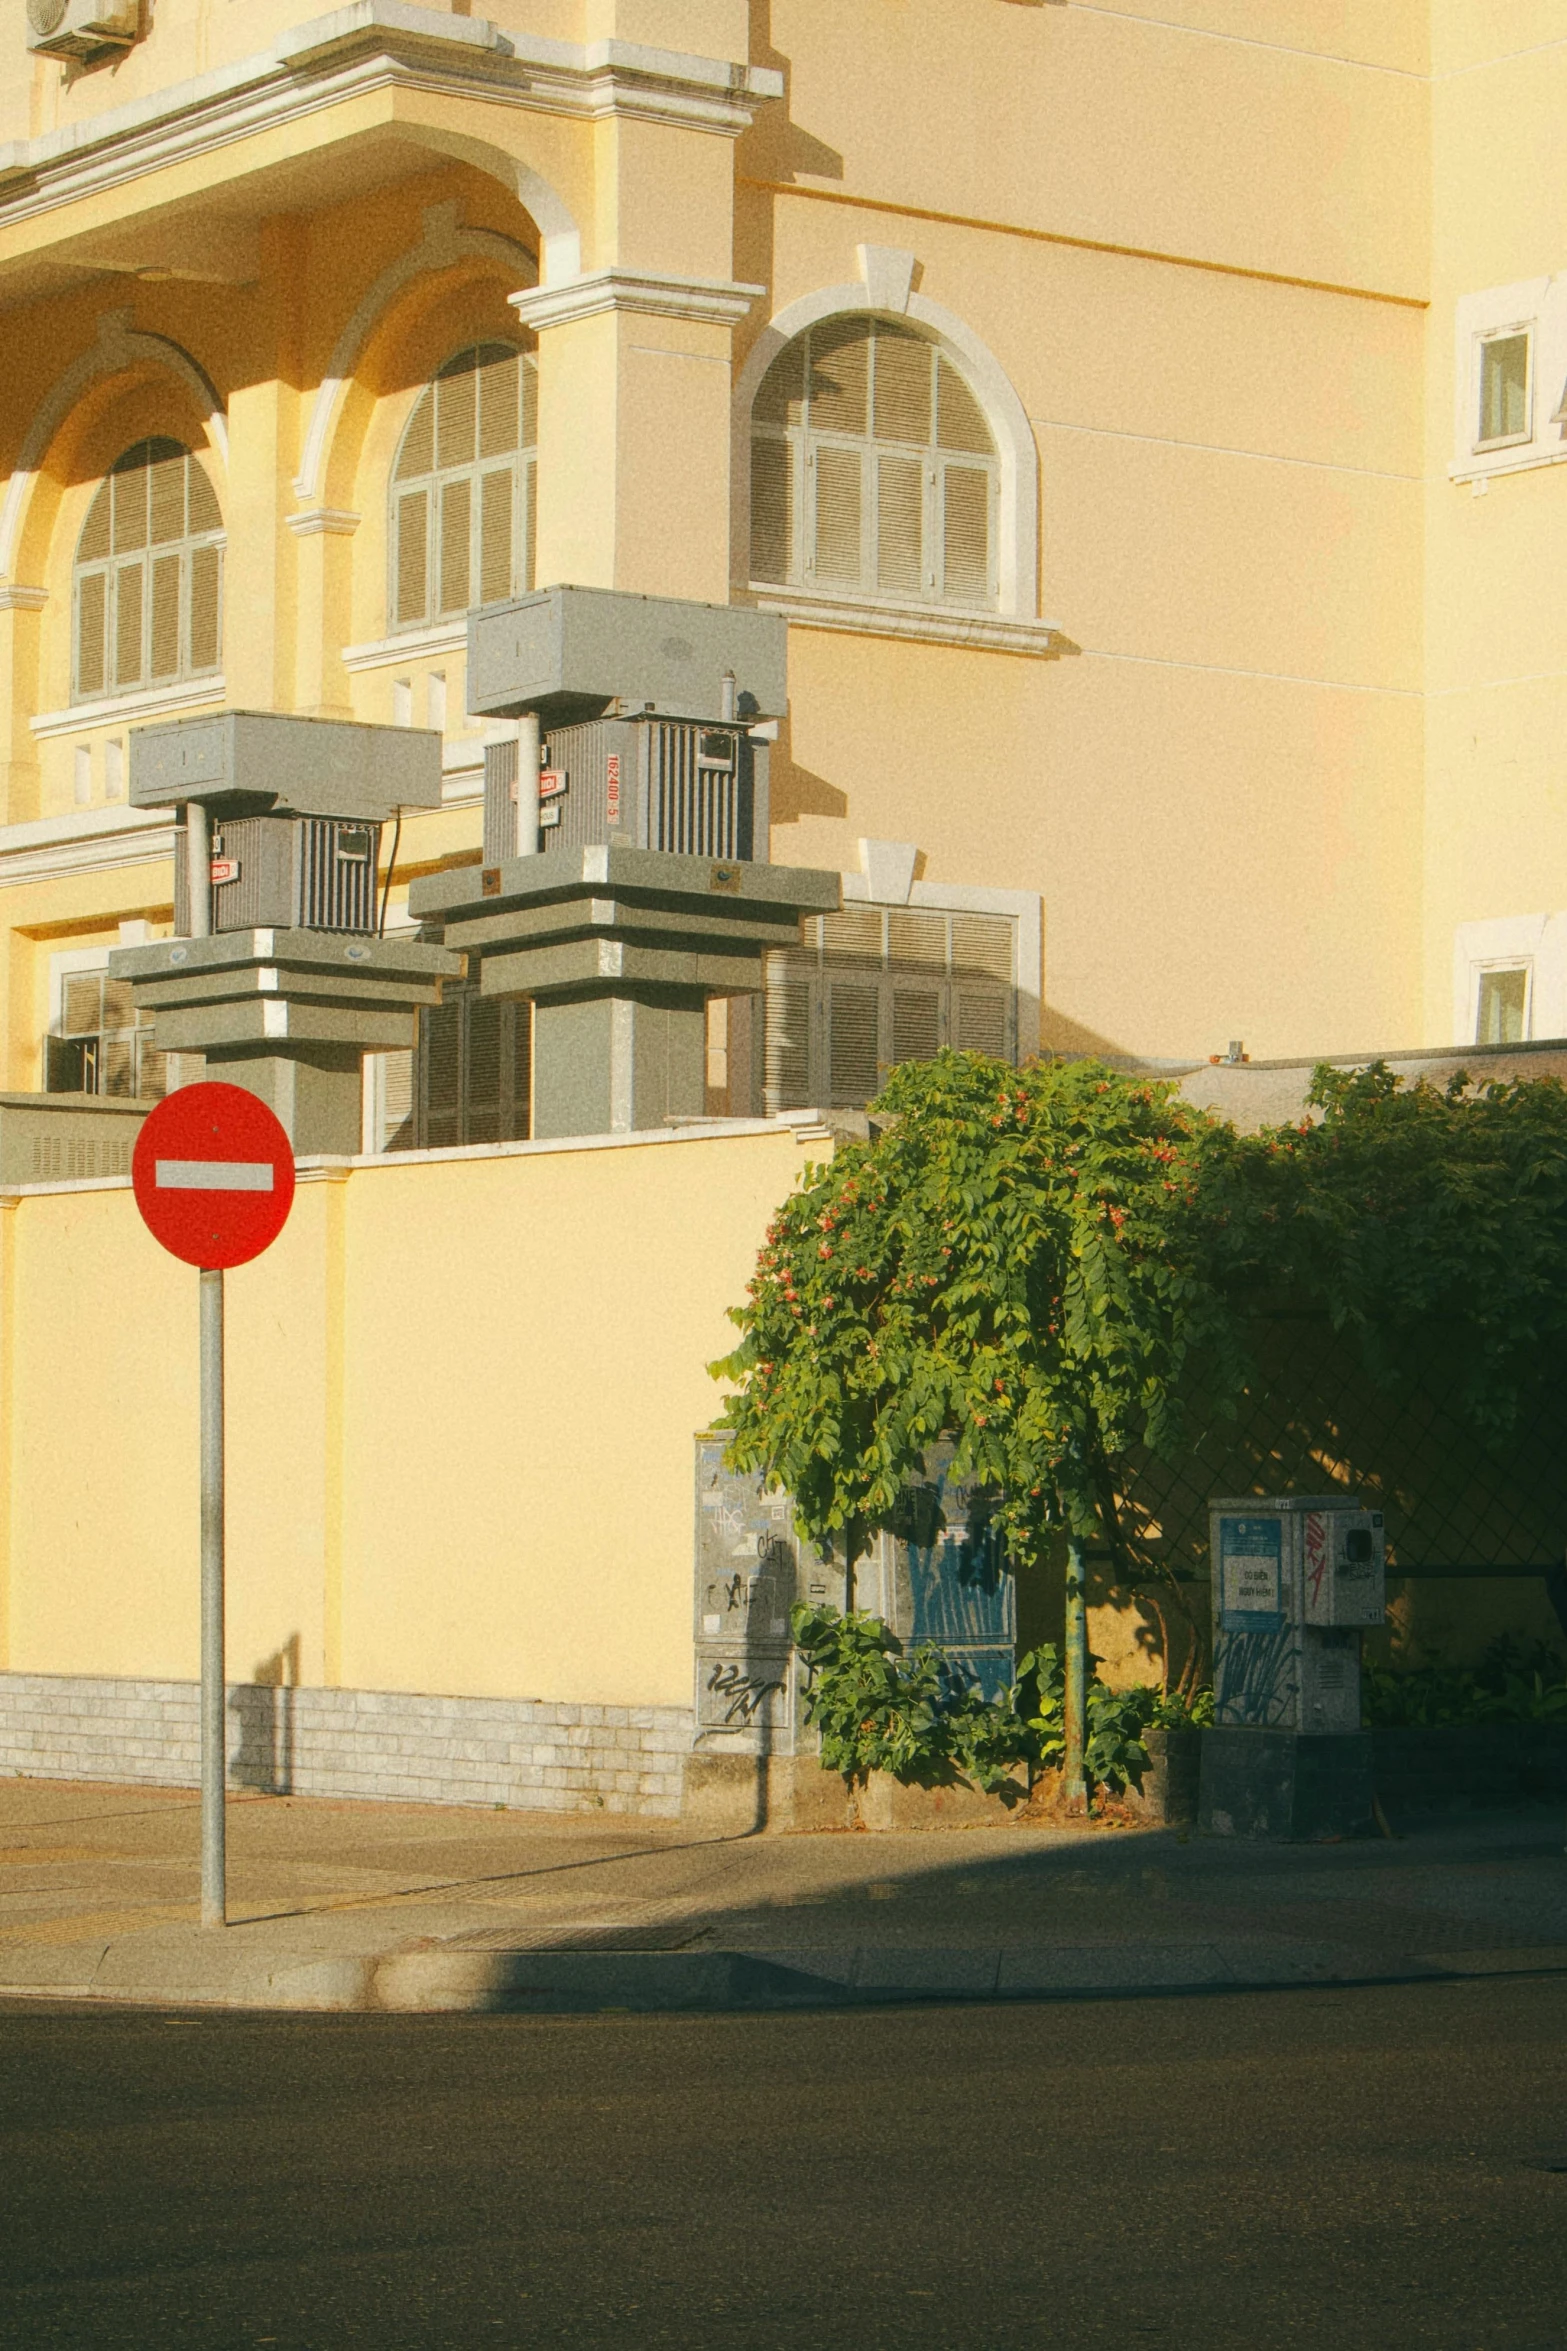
(1341, 2168)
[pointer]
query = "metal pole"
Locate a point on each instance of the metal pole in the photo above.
(1075, 1663)
(198, 869)
(528, 784)
(213, 1904)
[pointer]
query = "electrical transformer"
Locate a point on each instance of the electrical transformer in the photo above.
(315, 873)
(281, 817)
(1296, 1579)
(693, 788)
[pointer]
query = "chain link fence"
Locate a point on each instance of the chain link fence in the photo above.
(1476, 1536)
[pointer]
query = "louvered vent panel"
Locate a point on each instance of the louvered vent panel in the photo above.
(440, 1061)
(417, 455)
(966, 533)
(337, 874)
(853, 937)
(499, 406)
(166, 570)
(917, 941)
(93, 545)
(456, 557)
(772, 510)
(900, 505)
(983, 1023)
(413, 544)
(129, 583)
(916, 1024)
(500, 802)
(787, 1046)
(204, 514)
(838, 506)
(983, 947)
(482, 1071)
(456, 414)
(903, 365)
(960, 423)
(91, 614)
(206, 607)
(497, 496)
(853, 1022)
(840, 376)
(166, 486)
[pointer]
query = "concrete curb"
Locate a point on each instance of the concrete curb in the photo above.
(444, 1979)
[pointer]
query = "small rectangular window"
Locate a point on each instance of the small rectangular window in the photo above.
(1502, 1006)
(1504, 388)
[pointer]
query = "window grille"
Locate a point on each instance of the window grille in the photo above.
(874, 986)
(873, 471)
(463, 488)
(148, 586)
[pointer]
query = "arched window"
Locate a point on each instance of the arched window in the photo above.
(149, 575)
(463, 488)
(873, 470)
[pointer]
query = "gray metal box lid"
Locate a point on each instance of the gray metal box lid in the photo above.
(314, 766)
(565, 651)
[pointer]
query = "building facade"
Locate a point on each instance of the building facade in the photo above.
(1148, 419)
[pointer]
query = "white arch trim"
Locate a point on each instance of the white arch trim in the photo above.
(119, 345)
(443, 242)
(888, 294)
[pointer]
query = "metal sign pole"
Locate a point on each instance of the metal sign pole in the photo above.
(213, 1903)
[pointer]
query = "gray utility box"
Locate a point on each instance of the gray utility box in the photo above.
(63, 1138)
(256, 762)
(572, 653)
(1296, 1579)
(313, 873)
(690, 788)
(937, 1575)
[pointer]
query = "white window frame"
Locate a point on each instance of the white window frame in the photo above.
(521, 464)
(1505, 964)
(1528, 329)
(1536, 307)
(1536, 943)
(1014, 625)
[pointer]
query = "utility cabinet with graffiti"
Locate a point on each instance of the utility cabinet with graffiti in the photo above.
(1296, 1579)
(937, 1574)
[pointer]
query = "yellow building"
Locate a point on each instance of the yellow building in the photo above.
(1105, 394)
(1148, 416)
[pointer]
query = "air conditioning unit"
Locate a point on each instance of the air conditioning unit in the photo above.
(81, 28)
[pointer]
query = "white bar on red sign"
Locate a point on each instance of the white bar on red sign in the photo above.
(224, 869)
(215, 1175)
(552, 782)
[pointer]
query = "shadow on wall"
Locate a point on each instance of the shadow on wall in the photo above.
(263, 1709)
(794, 791)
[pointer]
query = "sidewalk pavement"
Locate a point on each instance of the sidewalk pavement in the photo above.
(338, 1905)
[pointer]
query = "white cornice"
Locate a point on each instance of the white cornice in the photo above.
(351, 52)
(323, 522)
(116, 709)
(57, 848)
(16, 597)
(990, 632)
(715, 301)
(412, 645)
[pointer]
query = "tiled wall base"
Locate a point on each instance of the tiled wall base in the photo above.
(522, 1752)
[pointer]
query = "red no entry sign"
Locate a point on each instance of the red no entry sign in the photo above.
(214, 1175)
